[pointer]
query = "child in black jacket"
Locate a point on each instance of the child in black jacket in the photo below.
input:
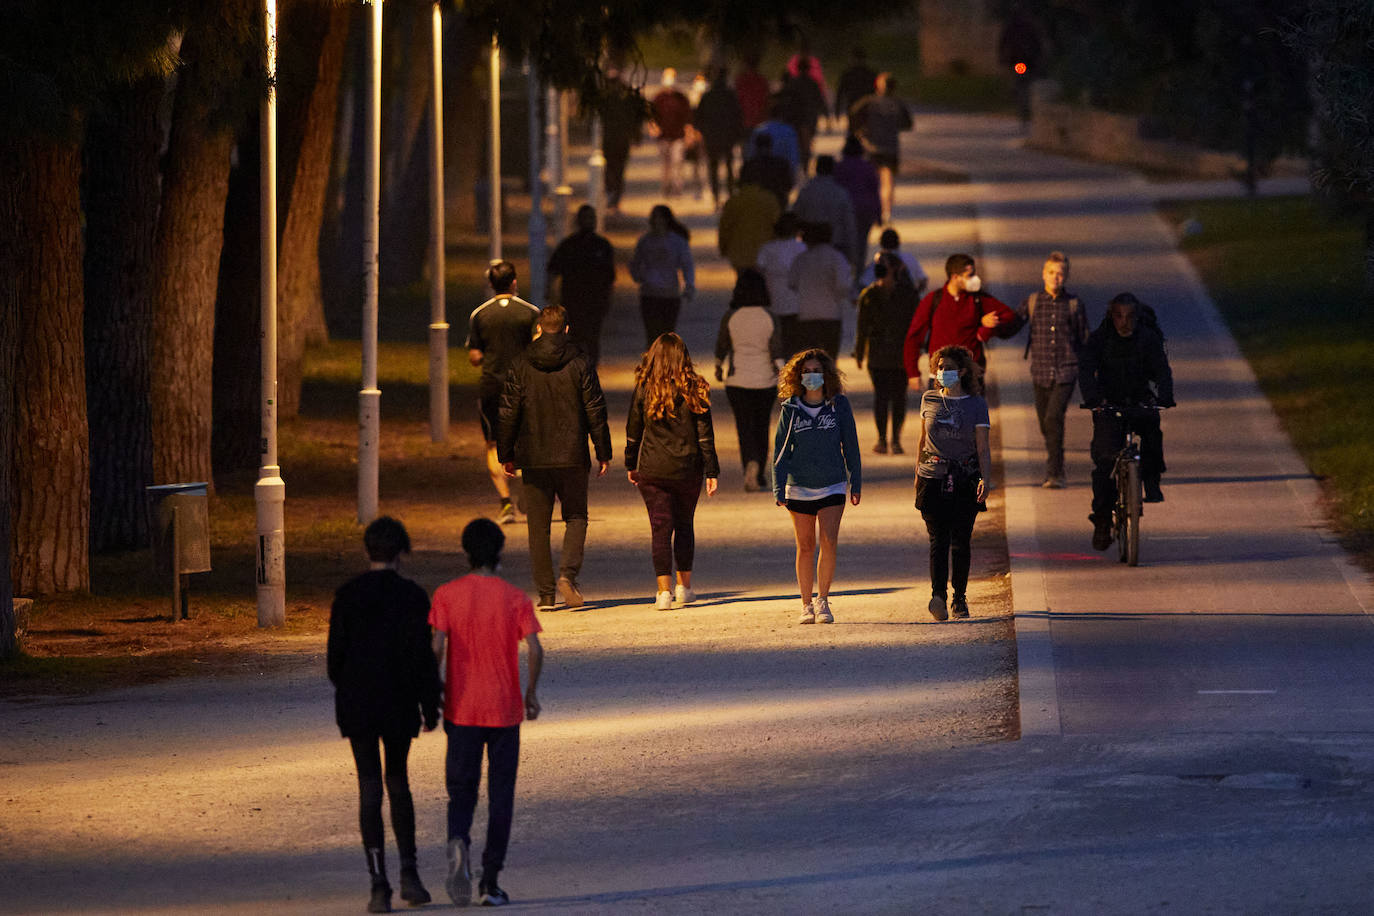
(386, 681)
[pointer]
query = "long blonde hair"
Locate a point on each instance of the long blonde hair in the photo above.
(665, 373)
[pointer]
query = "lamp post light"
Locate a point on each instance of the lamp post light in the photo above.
(438, 320)
(269, 494)
(370, 397)
(494, 148)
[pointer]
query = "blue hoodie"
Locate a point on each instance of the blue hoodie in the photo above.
(816, 453)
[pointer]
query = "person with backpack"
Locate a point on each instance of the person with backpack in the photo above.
(885, 309)
(1057, 330)
(1124, 363)
(958, 314)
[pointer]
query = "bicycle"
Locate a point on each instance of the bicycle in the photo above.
(1129, 489)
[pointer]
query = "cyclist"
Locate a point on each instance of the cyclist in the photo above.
(1124, 364)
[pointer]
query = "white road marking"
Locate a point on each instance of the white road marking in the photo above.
(1230, 692)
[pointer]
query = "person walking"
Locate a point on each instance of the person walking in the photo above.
(670, 447)
(672, 119)
(720, 122)
(498, 331)
(879, 121)
(953, 476)
(752, 89)
(889, 241)
(585, 264)
(859, 179)
(623, 112)
(960, 314)
(885, 310)
(661, 256)
(857, 81)
(386, 685)
(750, 342)
(1057, 331)
(815, 462)
(746, 223)
(775, 263)
(766, 170)
(821, 277)
(800, 104)
(551, 405)
(824, 200)
(782, 138)
(479, 621)
(807, 66)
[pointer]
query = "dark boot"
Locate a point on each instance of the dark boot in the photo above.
(380, 902)
(1102, 531)
(412, 890)
(1153, 494)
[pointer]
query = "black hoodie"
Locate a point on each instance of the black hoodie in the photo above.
(551, 403)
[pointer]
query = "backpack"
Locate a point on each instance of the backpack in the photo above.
(1074, 307)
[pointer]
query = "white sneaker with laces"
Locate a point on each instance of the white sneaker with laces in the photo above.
(684, 596)
(664, 602)
(823, 614)
(808, 614)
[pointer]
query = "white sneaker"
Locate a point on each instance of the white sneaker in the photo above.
(823, 614)
(808, 614)
(684, 596)
(664, 602)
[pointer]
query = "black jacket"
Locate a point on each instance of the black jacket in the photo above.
(551, 403)
(1125, 370)
(379, 658)
(680, 446)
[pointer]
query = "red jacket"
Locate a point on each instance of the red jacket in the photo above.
(957, 321)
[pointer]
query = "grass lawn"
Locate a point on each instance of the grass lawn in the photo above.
(1288, 281)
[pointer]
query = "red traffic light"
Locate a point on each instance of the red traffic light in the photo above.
(1020, 69)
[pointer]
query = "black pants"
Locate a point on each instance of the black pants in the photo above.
(1108, 433)
(584, 325)
(889, 394)
(822, 333)
(370, 781)
(672, 506)
(660, 316)
(569, 486)
(463, 773)
(752, 407)
(787, 331)
(617, 153)
(714, 159)
(949, 518)
(1051, 403)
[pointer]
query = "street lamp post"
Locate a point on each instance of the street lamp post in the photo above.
(596, 168)
(370, 397)
(553, 159)
(438, 320)
(269, 494)
(538, 229)
(494, 245)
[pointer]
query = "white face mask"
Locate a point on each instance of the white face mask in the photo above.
(973, 284)
(813, 381)
(949, 378)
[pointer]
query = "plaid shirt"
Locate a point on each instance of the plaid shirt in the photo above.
(1058, 328)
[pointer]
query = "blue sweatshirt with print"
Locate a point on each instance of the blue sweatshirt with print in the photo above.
(816, 452)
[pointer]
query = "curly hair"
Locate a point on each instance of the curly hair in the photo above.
(962, 358)
(666, 374)
(789, 379)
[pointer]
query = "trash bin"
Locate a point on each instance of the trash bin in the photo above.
(181, 537)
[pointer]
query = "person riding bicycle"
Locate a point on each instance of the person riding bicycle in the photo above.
(1124, 364)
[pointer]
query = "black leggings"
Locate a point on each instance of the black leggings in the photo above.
(752, 408)
(714, 160)
(672, 506)
(949, 521)
(889, 391)
(369, 763)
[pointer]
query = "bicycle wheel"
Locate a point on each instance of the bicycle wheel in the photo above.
(1131, 542)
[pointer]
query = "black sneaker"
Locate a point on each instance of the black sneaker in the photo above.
(958, 608)
(1102, 533)
(488, 894)
(380, 901)
(413, 890)
(1153, 494)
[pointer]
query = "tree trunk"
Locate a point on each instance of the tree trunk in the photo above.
(121, 194)
(41, 275)
(465, 114)
(189, 238)
(341, 240)
(407, 74)
(311, 116)
(10, 297)
(237, 374)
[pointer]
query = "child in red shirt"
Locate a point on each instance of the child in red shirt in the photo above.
(479, 620)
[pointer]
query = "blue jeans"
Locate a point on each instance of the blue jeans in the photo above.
(463, 774)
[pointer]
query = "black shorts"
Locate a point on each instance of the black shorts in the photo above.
(814, 506)
(883, 160)
(489, 410)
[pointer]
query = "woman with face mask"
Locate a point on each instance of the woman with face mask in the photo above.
(953, 475)
(815, 463)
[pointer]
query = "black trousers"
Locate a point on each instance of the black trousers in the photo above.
(889, 395)
(569, 487)
(617, 152)
(368, 760)
(787, 331)
(949, 518)
(822, 333)
(714, 159)
(463, 773)
(660, 316)
(1051, 404)
(753, 408)
(1108, 433)
(672, 506)
(584, 325)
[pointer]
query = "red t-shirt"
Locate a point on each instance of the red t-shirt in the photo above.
(672, 114)
(752, 89)
(484, 619)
